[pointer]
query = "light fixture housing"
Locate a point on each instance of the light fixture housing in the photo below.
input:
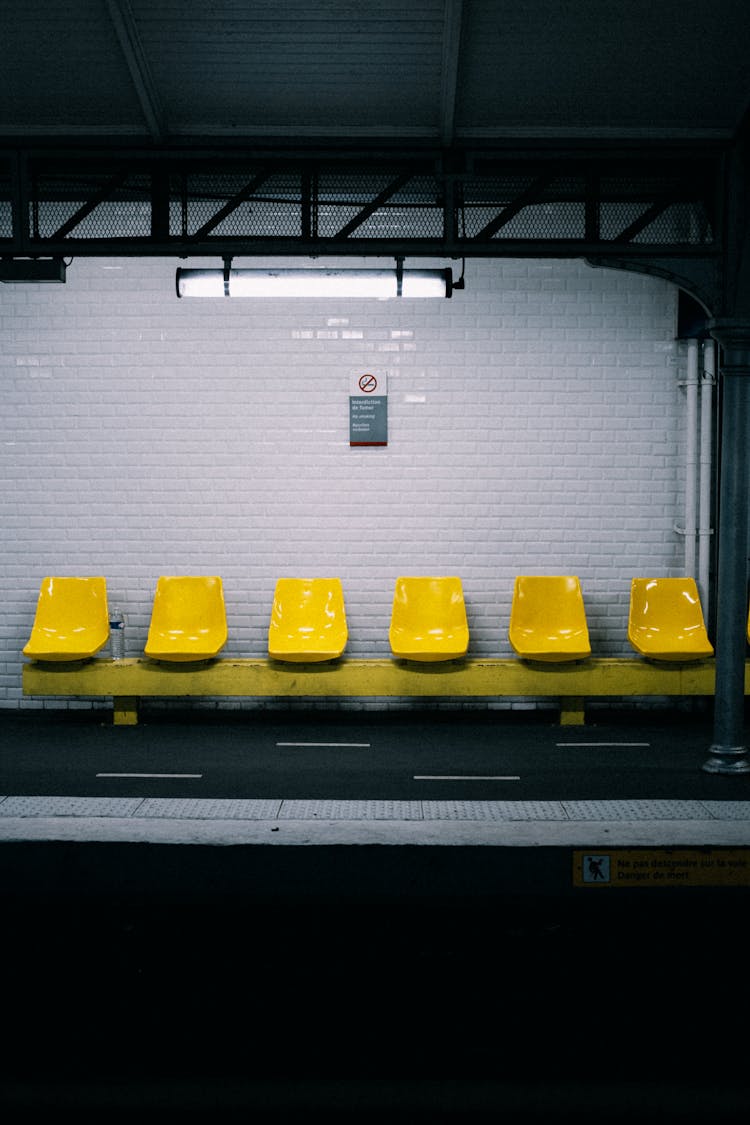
(372, 284)
(15, 271)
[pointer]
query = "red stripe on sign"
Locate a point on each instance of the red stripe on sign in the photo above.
(353, 443)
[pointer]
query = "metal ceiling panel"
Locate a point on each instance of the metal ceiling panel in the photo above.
(63, 72)
(438, 70)
(294, 67)
(634, 68)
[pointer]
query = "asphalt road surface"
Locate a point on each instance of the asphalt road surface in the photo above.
(377, 755)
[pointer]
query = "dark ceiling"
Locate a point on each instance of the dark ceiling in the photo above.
(445, 71)
(604, 129)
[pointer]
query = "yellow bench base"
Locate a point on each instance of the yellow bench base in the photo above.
(127, 681)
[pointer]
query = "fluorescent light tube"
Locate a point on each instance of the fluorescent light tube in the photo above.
(373, 284)
(376, 285)
(200, 283)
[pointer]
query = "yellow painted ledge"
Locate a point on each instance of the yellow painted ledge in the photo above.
(128, 680)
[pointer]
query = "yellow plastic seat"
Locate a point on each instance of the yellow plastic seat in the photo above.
(71, 620)
(188, 619)
(666, 620)
(428, 619)
(308, 620)
(548, 618)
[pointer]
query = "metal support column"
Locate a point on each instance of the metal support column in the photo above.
(728, 754)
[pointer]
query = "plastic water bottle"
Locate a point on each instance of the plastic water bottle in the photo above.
(117, 634)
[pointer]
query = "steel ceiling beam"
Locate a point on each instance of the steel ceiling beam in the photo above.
(452, 26)
(126, 29)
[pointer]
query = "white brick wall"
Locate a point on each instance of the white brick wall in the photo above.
(535, 425)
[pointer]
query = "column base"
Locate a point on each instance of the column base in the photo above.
(727, 760)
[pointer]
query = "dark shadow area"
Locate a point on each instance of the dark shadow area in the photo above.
(369, 983)
(176, 995)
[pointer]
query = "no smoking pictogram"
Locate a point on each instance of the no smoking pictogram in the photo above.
(368, 384)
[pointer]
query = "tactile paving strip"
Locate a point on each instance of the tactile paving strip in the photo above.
(69, 806)
(493, 810)
(636, 810)
(177, 808)
(728, 810)
(351, 810)
(191, 808)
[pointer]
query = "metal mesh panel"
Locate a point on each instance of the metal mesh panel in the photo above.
(237, 205)
(109, 206)
(271, 218)
(202, 198)
(614, 218)
(6, 219)
(46, 218)
(680, 223)
(116, 219)
(346, 202)
(485, 198)
(497, 190)
(392, 222)
(546, 220)
(685, 223)
(652, 204)
(555, 220)
(341, 198)
(537, 207)
(525, 207)
(6, 208)
(626, 202)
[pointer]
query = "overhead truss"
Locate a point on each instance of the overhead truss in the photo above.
(450, 203)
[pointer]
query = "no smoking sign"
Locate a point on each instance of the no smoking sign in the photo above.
(368, 409)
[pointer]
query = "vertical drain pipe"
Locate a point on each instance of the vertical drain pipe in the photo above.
(704, 488)
(691, 462)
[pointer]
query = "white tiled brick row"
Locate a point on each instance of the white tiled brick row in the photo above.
(535, 425)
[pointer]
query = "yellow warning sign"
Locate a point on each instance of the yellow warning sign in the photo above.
(662, 867)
